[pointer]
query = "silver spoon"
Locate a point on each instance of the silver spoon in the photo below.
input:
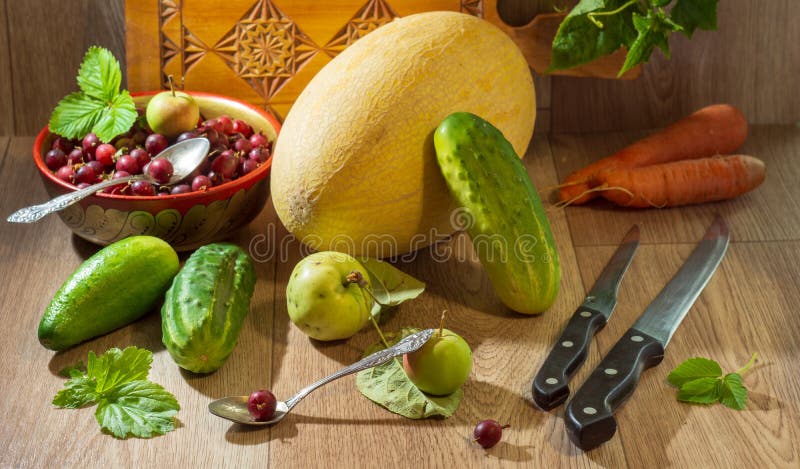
(185, 157)
(234, 408)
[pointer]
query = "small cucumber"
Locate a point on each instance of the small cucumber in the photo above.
(206, 305)
(507, 224)
(114, 287)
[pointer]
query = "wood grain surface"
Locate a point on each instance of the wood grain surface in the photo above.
(6, 101)
(749, 306)
(44, 61)
(749, 62)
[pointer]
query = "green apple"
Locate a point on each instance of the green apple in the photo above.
(323, 302)
(442, 365)
(170, 113)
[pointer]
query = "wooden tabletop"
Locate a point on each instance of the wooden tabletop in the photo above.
(750, 305)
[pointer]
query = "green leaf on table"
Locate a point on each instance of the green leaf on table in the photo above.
(390, 285)
(127, 404)
(389, 386)
(100, 75)
(73, 371)
(138, 408)
(117, 366)
(700, 381)
(700, 391)
(694, 14)
(78, 392)
(733, 393)
(580, 40)
(694, 368)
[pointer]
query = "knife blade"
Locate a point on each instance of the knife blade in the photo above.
(589, 416)
(551, 384)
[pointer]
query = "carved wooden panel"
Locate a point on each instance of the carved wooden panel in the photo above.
(266, 51)
(263, 51)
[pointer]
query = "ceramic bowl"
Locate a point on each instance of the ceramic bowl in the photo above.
(186, 221)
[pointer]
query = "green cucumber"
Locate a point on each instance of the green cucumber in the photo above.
(206, 306)
(117, 285)
(507, 223)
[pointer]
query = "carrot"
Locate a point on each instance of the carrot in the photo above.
(682, 182)
(718, 129)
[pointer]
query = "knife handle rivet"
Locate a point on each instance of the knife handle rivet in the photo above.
(589, 410)
(551, 381)
(637, 338)
(567, 344)
(610, 371)
(586, 314)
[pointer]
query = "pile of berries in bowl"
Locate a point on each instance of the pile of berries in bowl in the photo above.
(225, 193)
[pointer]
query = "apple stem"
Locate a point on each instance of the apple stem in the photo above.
(358, 278)
(171, 84)
(441, 323)
(380, 332)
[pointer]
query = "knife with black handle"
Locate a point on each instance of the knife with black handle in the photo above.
(589, 415)
(551, 384)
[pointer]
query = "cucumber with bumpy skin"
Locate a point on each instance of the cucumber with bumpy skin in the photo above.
(206, 306)
(116, 286)
(509, 230)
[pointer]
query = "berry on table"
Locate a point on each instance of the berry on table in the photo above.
(488, 433)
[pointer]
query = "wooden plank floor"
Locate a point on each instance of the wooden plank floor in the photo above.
(749, 306)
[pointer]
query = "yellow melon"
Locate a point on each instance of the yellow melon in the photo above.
(354, 167)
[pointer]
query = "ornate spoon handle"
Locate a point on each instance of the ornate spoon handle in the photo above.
(408, 344)
(37, 212)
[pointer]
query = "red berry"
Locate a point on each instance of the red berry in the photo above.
(104, 153)
(55, 159)
(262, 404)
(215, 178)
(75, 156)
(257, 154)
(143, 188)
(97, 167)
(62, 144)
(155, 144)
(141, 156)
(248, 166)
(119, 188)
(181, 189)
(185, 136)
(225, 124)
(258, 140)
(488, 433)
(241, 127)
(201, 183)
(66, 173)
(160, 169)
(225, 164)
(212, 136)
(90, 142)
(242, 145)
(128, 164)
(85, 174)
